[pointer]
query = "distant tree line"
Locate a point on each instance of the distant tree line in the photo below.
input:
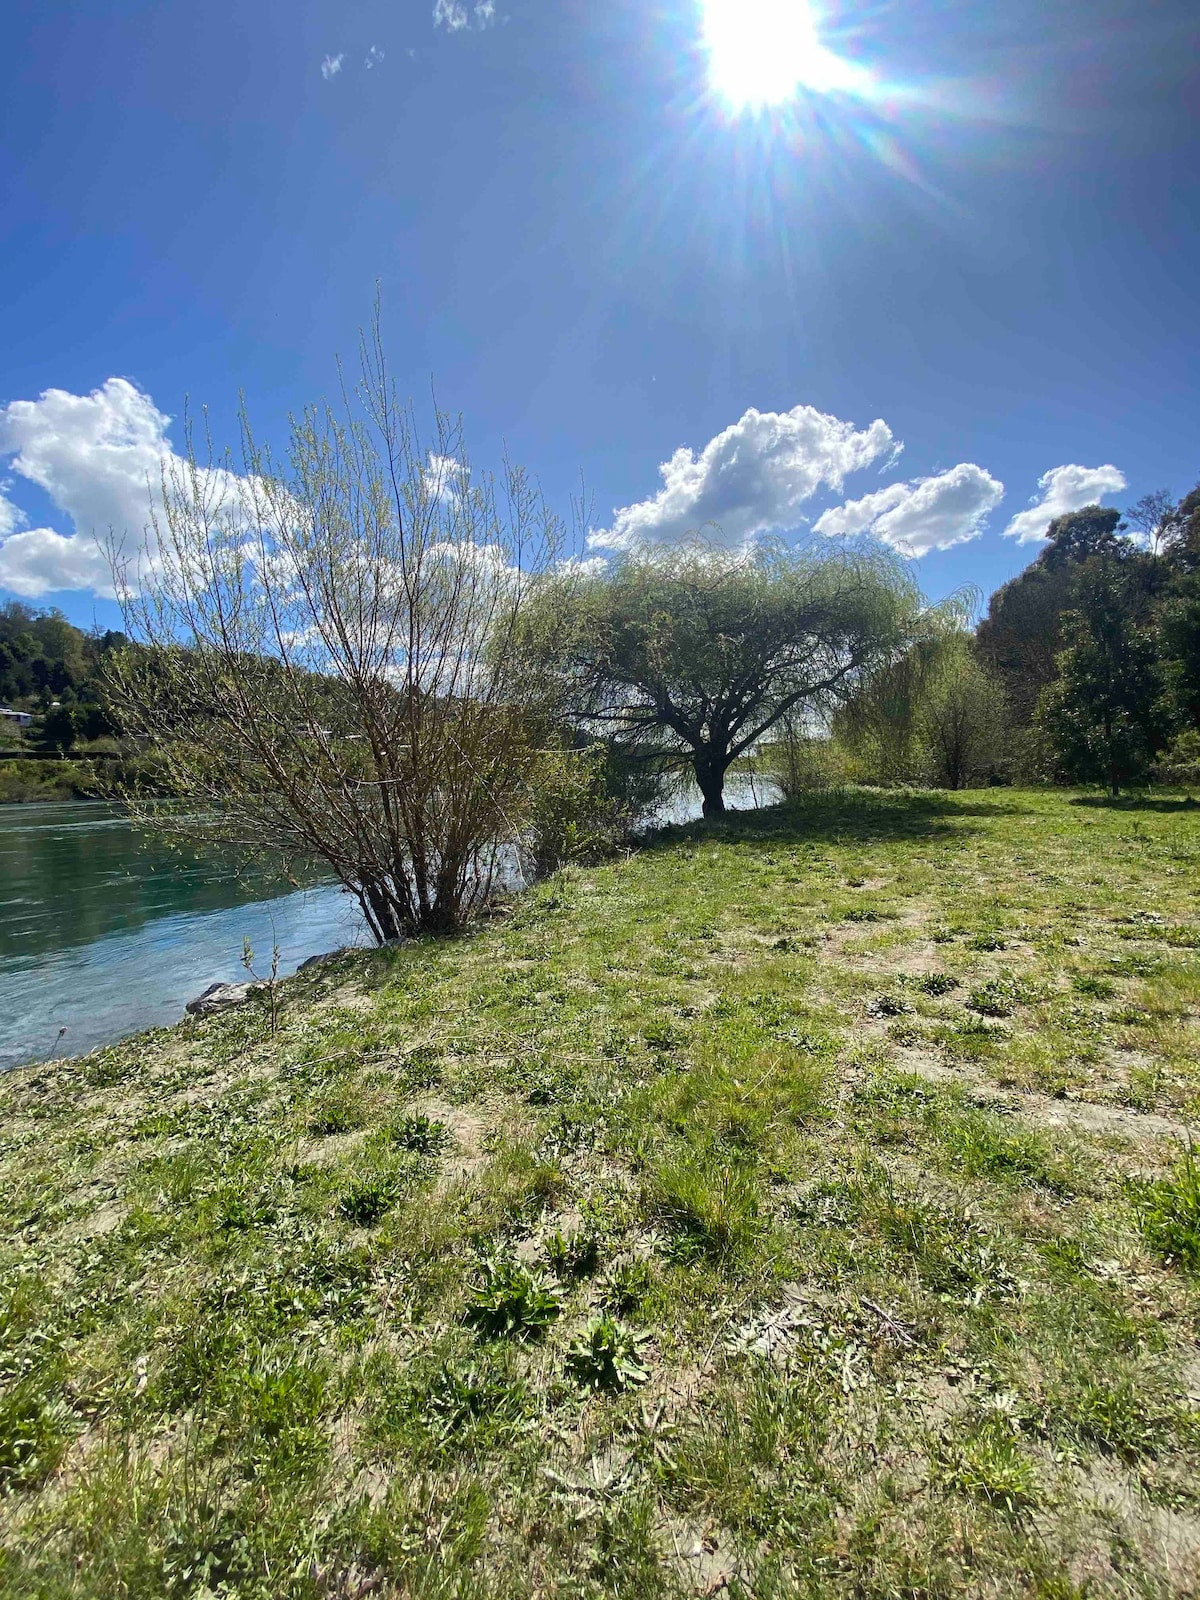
(55, 671)
(1085, 669)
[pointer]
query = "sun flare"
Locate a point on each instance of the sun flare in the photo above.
(760, 52)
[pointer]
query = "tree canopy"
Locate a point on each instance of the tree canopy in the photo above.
(1106, 715)
(693, 655)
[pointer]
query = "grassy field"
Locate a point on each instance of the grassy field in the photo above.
(802, 1206)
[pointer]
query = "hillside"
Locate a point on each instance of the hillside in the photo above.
(796, 1207)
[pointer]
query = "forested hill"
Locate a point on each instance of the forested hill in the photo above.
(44, 658)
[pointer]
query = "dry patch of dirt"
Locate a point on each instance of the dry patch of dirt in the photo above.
(468, 1131)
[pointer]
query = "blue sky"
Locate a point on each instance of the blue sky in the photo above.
(978, 237)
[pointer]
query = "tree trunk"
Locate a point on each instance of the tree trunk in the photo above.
(711, 779)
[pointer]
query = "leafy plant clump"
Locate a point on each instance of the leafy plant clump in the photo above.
(367, 1202)
(513, 1302)
(990, 1464)
(1168, 1211)
(932, 983)
(606, 1355)
(998, 997)
(420, 1134)
(573, 1255)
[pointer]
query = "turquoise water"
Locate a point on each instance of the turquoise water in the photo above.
(105, 930)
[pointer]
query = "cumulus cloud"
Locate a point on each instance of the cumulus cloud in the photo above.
(99, 458)
(1063, 489)
(922, 515)
(332, 65)
(751, 479)
(373, 56)
(445, 478)
(38, 561)
(11, 516)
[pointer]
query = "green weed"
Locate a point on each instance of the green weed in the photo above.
(510, 1301)
(606, 1355)
(1168, 1211)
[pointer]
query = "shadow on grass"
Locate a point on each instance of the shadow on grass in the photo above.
(1170, 804)
(859, 816)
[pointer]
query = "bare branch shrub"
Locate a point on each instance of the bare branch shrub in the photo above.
(323, 654)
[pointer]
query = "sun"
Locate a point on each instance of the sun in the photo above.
(760, 52)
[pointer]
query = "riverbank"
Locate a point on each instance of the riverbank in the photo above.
(796, 1207)
(28, 780)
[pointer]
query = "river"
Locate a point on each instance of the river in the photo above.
(106, 930)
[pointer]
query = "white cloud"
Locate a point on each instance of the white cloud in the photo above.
(750, 480)
(373, 57)
(454, 15)
(1063, 489)
(925, 514)
(37, 561)
(445, 477)
(11, 516)
(332, 65)
(99, 458)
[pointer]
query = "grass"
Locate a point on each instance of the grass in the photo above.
(802, 1206)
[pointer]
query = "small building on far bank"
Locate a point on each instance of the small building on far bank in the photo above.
(18, 719)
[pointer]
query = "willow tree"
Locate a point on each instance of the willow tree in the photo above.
(697, 653)
(324, 660)
(934, 714)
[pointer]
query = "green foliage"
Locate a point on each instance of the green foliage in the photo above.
(367, 1201)
(1168, 1211)
(695, 654)
(418, 1133)
(626, 1285)
(1105, 716)
(1020, 638)
(573, 1255)
(43, 658)
(606, 1355)
(931, 983)
(936, 715)
(988, 1461)
(582, 803)
(475, 1399)
(511, 1301)
(710, 1206)
(999, 996)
